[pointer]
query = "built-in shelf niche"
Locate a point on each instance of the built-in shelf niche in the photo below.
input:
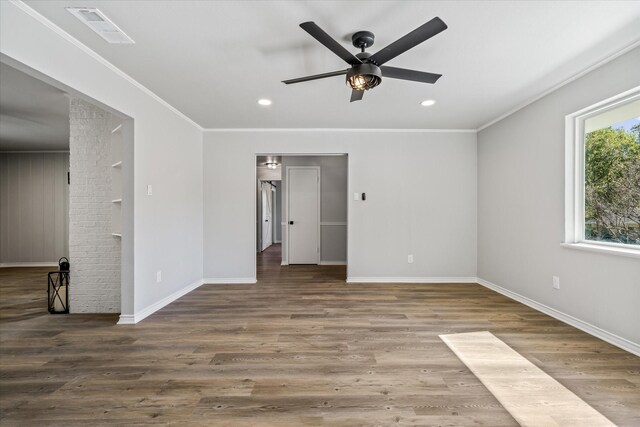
(116, 177)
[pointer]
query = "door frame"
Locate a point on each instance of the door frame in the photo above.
(319, 190)
(251, 162)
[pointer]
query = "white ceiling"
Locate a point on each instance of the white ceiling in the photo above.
(33, 114)
(214, 60)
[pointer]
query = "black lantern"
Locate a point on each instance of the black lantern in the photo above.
(58, 288)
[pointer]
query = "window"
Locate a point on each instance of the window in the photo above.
(603, 175)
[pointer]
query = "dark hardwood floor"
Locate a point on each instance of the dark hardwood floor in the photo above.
(301, 347)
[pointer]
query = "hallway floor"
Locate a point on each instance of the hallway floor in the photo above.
(300, 347)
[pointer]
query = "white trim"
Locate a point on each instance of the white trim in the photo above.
(412, 280)
(333, 223)
(333, 263)
(77, 43)
(381, 130)
(559, 85)
(616, 340)
(283, 262)
(277, 242)
(574, 188)
(28, 264)
(34, 152)
(229, 280)
(131, 319)
(603, 249)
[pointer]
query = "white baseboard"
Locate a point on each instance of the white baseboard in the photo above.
(277, 242)
(284, 262)
(333, 263)
(230, 280)
(412, 280)
(28, 264)
(132, 319)
(623, 343)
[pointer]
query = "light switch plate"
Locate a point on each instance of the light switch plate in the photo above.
(356, 196)
(149, 190)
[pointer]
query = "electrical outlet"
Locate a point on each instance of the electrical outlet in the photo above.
(556, 282)
(159, 277)
(356, 196)
(410, 259)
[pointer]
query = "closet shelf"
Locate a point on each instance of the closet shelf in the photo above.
(116, 201)
(116, 234)
(117, 164)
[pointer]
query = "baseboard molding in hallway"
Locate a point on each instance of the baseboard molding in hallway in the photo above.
(230, 281)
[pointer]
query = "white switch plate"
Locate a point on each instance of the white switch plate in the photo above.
(556, 282)
(159, 277)
(149, 190)
(410, 259)
(356, 196)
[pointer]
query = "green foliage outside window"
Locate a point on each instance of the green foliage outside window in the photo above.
(612, 185)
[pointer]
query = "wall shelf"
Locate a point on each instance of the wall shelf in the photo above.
(117, 135)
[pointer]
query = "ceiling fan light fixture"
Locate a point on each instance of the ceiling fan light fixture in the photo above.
(364, 77)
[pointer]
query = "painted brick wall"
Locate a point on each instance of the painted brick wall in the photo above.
(94, 253)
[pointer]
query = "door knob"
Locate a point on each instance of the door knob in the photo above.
(290, 222)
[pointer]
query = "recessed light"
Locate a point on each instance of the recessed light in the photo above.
(427, 102)
(264, 102)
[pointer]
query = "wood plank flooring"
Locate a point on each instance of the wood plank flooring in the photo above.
(301, 347)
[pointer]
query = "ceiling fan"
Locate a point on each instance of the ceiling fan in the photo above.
(367, 70)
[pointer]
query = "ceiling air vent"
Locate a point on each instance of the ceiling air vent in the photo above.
(99, 23)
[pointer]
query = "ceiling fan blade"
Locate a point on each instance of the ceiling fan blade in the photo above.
(315, 77)
(324, 38)
(356, 95)
(414, 38)
(413, 75)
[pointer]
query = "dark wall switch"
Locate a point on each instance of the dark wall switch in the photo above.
(364, 196)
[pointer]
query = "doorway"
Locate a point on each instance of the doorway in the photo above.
(89, 174)
(309, 211)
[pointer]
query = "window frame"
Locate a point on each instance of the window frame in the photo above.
(575, 178)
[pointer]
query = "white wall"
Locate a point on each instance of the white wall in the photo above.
(333, 204)
(168, 148)
(34, 201)
(521, 210)
(421, 200)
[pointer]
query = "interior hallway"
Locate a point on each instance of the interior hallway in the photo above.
(301, 347)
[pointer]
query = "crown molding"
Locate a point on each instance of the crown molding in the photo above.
(576, 76)
(382, 130)
(86, 49)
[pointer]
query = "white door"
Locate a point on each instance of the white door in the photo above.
(303, 195)
(267, 236)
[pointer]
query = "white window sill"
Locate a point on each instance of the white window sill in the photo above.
(611, 250)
